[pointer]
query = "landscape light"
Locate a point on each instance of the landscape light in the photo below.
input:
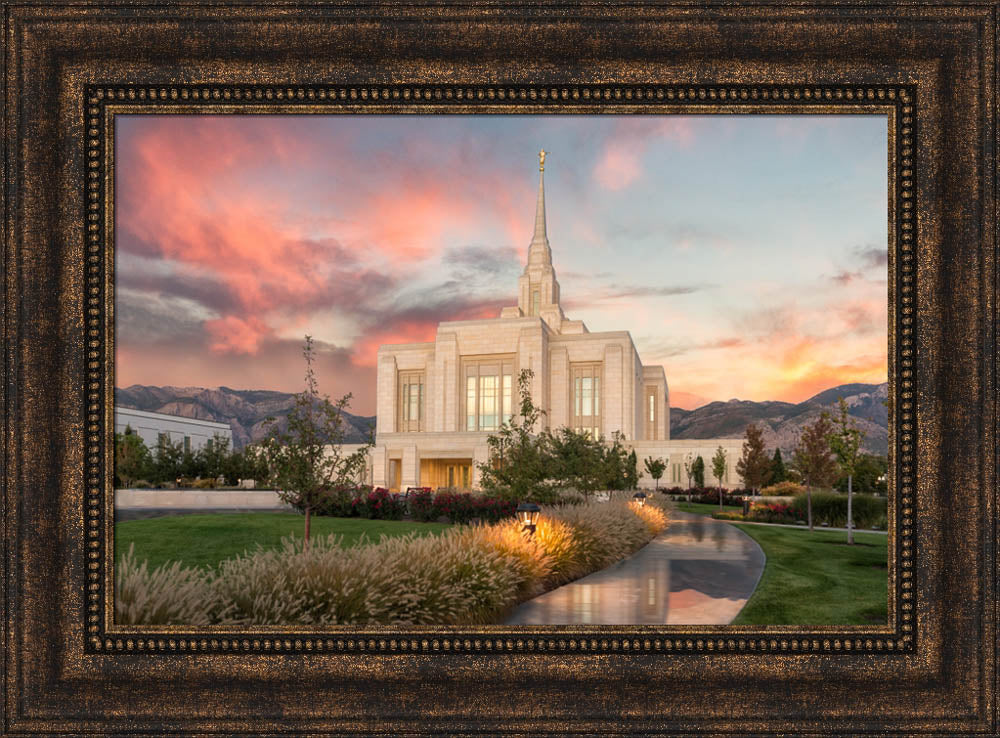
(527, 513)
(640, 498)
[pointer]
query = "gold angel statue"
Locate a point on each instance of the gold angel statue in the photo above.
(541, 160)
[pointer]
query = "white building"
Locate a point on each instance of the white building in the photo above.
(150, 427)
(438, 402)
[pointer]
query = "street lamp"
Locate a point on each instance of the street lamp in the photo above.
(527, 513)
(640, 498)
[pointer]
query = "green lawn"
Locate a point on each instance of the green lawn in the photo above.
(700, 508)
(817, 579)
(205, 540)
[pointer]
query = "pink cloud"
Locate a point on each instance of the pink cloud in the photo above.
(619, 165)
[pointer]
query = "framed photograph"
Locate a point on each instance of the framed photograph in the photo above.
(436, 369)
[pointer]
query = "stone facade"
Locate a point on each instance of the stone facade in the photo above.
(438, 402)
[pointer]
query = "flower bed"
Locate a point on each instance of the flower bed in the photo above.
(467, 575)
(457, 507)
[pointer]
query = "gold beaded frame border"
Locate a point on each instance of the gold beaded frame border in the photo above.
(103, 102)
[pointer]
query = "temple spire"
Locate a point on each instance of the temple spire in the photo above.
(539, 251)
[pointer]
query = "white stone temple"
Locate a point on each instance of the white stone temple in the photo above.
(438, 402)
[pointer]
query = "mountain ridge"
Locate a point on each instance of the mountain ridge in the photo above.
(246, 411)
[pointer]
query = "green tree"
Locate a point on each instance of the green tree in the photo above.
(307, 460)
(698, 472)
(869, 476)
(518, 465)
(633, 470)
(814, 460)
(132, 459)
(655, 469)
(213, 455)
(615, 463)
(574, 460)
(778, 471)
(719, 465)
(754, 467)
(167, 459)
(845, 442)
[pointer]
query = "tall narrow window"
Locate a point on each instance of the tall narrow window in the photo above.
(651, 414)
(587, 399)
(536, 301)
(411, 401)
(488, 392)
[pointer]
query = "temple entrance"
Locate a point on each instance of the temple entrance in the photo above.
(454, 473)
(395, 474)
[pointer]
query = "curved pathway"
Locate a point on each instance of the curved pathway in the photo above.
(699, 571)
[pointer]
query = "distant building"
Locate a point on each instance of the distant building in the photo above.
(438, 402)
(190, 432)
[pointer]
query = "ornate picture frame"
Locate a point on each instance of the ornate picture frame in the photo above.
(70, 69)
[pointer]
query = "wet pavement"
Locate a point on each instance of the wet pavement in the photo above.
(699, 571)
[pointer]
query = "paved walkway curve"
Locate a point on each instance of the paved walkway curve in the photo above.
(699, 571)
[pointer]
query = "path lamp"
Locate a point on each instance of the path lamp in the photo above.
(527, 513)
(640, 498)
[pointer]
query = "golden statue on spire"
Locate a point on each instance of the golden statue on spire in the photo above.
(541, 160)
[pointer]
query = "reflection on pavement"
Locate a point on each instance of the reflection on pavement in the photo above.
(699, 571)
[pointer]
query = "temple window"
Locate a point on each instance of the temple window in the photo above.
(411, 401)
(587, 399)
(488, 395)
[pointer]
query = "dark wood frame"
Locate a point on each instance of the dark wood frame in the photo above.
(933, 670)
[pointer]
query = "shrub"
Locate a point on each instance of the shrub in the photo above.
(206, 483)
(185, 482)
(141, 484)
(168, 594)
(783, 489)
(380, 504)
(420, 501)
(467, 575)
(772, 512)
(831, 508)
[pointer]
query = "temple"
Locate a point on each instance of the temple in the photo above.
(438, 402)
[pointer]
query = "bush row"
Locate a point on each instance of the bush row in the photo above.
(419, 503)
(466, 575)
(867, 511)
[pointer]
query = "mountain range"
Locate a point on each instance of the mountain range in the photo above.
(246, 411)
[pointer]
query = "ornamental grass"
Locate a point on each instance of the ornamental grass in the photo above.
(467, 575)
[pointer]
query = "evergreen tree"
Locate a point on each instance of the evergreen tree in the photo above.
(778, 471)
(753, 466)
(167, 460)
(698, 472)
(633, 470)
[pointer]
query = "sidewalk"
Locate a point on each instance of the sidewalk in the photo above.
(699, 571)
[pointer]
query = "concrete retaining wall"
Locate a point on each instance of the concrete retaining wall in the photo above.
(193, 499)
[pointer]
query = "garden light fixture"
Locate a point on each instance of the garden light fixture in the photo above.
(527, 513)
(640, 498)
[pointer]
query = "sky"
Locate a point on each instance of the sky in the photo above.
(746, 254)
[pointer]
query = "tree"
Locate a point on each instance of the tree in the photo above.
(698, 472)
(754, 467)
(655, 469)
(518, 465)
(778, 471)
(845, 442)
(869, 475)
(813, 459)
(167, 459)
(213, 456)
(574, 459)
(132, 459)
(719, 465)
(307, 460)
(615, 464)
(689, 472)
(633, 470)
